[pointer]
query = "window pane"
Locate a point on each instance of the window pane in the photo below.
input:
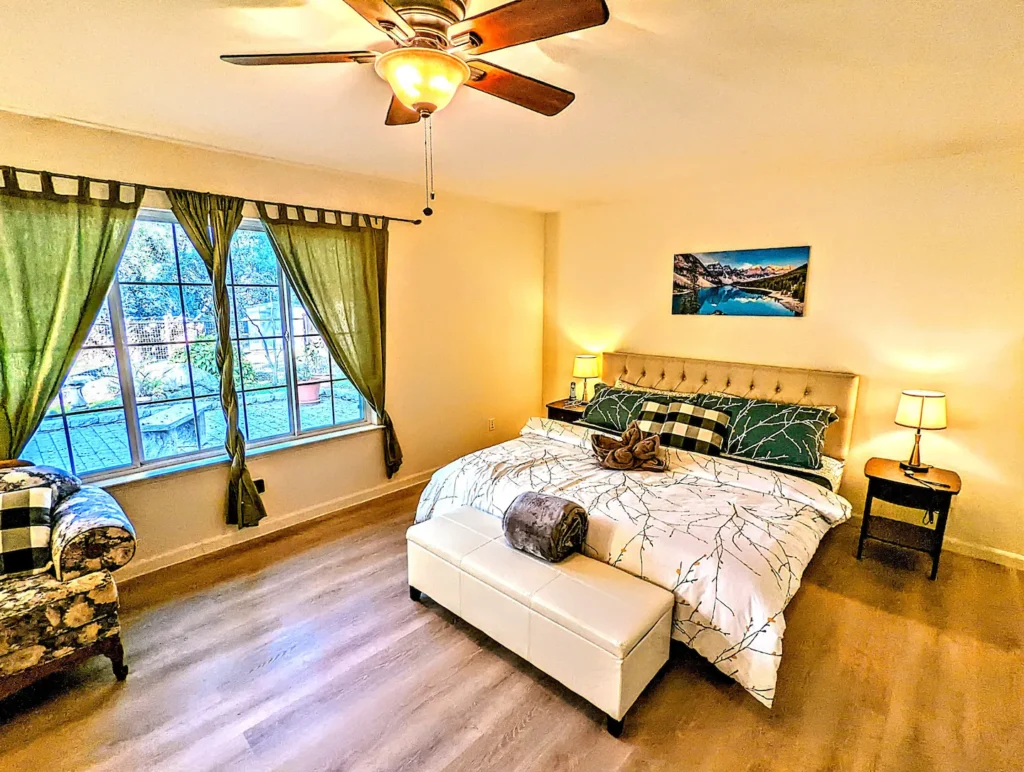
(205, 375)
(212, 424)
(160, 372)
(312, 362)
(169, 429)
(48, 445)
(93, 381)
(252, 258)
(301, 323)
(268, 414)
(101, 333)
(259, 311)
(262, 363)
(99, 441)
(152, 313)
(193, 269)
(149, 256)
(336, 372)
(348, 405)
(170, 330)
(315, 406)
(199, 314)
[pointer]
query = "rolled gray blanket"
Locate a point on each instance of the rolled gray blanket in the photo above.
(545, 526)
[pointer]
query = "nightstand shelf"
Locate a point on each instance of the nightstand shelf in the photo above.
(931, 492)
(901, 534)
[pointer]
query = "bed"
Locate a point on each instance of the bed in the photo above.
(731, 540)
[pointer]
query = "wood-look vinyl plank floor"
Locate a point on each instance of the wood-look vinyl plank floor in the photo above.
(302, 651)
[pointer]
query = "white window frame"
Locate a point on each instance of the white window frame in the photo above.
(130, 405)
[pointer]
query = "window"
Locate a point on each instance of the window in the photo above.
(145, 388)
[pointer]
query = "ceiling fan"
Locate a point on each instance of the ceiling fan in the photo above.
(434, 39)
(432, 36)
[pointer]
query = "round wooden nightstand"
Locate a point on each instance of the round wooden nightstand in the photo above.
(560, 410)
(931, 491)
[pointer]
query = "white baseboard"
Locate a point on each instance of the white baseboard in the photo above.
(267, 526)
(991, 554)
(972, 550)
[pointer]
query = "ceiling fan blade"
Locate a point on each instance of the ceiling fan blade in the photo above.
(400, 115)
(524, 21)
(518, 89)
(323, 57)
(383, 17)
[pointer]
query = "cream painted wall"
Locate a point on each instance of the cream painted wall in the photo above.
(916, 279)
(464, 330)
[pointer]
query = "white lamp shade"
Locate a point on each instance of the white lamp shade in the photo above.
(922, 409)
(585, 366)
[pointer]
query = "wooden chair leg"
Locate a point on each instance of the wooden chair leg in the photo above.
(115, 652)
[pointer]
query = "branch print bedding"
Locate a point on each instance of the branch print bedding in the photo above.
(730, 540)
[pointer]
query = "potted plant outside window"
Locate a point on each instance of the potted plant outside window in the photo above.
(310, 365)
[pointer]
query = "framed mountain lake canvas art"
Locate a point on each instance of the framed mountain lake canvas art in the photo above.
(742, 282)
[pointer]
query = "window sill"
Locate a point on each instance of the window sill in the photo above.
(123, 477)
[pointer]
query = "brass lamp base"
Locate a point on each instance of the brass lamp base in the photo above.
(914, 463)
(920, 468)
(585, 401)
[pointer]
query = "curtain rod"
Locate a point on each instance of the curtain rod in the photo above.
(250, 200)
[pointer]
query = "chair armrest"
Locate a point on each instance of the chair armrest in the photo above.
(90, 532)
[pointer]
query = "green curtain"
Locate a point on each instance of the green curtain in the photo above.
(210, 221)
(340, 274)
(58, 255)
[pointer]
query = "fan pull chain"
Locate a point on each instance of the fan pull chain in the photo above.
(428, 160)
(431, 129)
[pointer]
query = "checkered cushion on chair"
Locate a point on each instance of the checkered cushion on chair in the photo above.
(25, 524)
(688, 427)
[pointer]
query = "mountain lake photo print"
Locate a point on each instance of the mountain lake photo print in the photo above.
(743, 282)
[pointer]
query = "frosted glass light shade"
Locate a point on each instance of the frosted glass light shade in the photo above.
(585, 366)
(423, 79)
(922, 410)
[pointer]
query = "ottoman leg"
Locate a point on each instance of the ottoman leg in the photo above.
(615, 726)
(415, 594)
(115, 652)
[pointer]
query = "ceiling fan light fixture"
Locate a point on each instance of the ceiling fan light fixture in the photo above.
(423, 79)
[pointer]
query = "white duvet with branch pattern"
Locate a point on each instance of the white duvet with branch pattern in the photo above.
(730, 540)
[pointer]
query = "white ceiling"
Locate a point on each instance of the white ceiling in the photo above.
(667, 90)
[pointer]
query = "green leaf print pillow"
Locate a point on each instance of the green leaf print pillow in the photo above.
(773, 431)
(616, 409)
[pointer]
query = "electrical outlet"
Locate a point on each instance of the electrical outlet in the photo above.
(490, 424)
(261, 485)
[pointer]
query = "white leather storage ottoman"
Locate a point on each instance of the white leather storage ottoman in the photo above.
(599, 631)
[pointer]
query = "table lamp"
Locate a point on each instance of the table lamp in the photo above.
(585, 367)
(920, 410)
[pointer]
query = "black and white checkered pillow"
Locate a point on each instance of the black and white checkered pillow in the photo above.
(652, 417)
(25, 524)
(688, 427)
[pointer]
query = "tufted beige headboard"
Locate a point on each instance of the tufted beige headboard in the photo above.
(776, 384)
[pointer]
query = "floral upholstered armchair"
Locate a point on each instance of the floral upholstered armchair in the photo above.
(63, 614)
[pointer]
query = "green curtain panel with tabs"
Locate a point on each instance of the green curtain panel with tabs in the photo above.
(60, 241)
(209, 222)
(340, 274)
